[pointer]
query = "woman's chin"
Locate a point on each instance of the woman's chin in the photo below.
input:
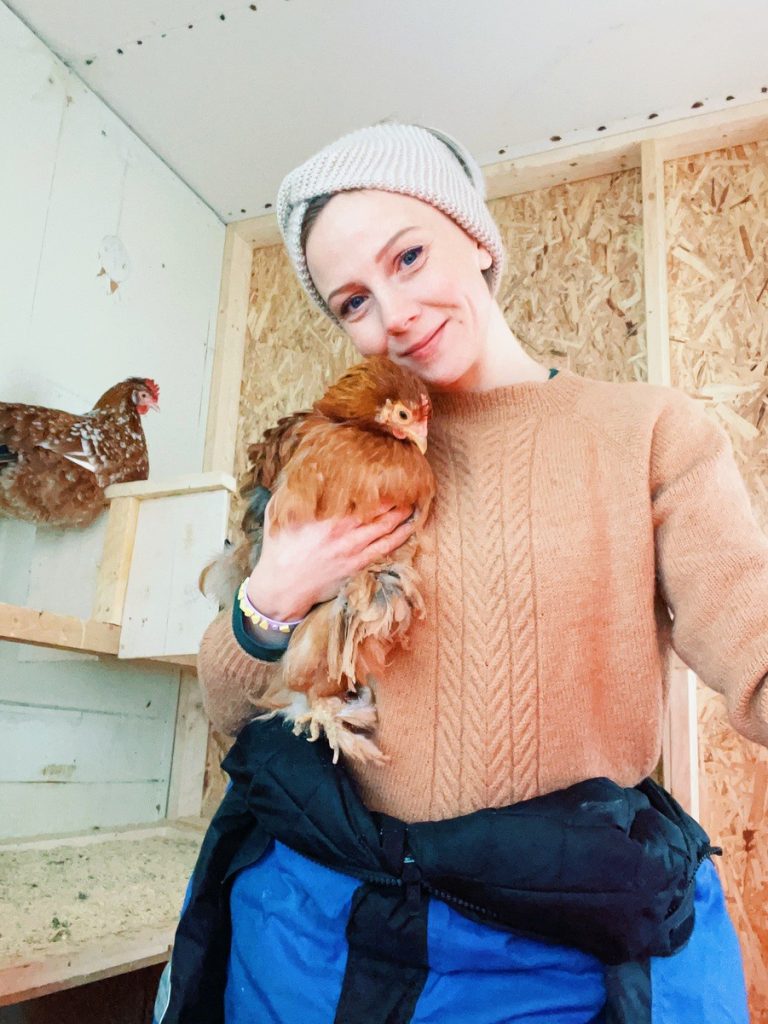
(446, 374)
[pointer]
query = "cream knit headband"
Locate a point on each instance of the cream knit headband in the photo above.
(408, 158)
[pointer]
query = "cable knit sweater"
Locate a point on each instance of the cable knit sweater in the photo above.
(580, 528)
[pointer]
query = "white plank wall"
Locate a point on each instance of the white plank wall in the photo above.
(72, 175)
(84, 744)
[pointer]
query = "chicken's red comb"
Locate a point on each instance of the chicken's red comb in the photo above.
(152, 388)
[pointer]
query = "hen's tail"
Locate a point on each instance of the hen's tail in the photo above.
(375, 611)
(344, 641)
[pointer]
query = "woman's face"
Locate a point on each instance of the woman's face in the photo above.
(395, 270)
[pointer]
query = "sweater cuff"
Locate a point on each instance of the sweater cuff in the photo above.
(248, 643)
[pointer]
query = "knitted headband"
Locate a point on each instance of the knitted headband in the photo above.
(421, 162)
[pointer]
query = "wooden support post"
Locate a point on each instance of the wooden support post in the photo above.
(224, 403)
(116, 560)
(655, 263)
(680, 741)
(185, 791)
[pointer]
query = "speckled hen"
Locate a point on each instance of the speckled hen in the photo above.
(54, 465)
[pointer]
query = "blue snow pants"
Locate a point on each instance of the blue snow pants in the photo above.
(288, 956)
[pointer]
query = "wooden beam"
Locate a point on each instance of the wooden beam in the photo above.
(655, 263)
(115, 563)
(680, 761)
(608, 154)
(193, 483)
(681, 738)
(190, 746)
(115, 954)
(224, 403)
(62, 632)
(67, 633)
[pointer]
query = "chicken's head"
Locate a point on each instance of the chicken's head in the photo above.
(146, 395)
(140, 393)
(407, 420)
(379, 395)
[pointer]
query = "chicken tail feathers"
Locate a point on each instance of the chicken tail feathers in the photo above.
(374, 612)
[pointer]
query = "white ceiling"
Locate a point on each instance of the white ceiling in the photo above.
(232, 97)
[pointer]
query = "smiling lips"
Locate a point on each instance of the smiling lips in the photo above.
(419, 347)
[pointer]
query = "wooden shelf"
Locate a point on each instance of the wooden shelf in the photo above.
(66, 633)
(39, 972)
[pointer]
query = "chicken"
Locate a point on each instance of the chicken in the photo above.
(360, 446)
(54, 465)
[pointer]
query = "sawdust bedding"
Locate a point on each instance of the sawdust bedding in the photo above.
(59, 897)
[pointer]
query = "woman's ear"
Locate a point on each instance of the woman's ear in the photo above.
(484, 257)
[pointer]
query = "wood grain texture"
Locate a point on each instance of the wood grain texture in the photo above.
(122, 999)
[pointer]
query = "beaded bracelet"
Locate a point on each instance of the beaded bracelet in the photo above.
(259, 618)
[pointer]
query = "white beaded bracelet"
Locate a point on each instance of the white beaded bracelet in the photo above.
(259, 618)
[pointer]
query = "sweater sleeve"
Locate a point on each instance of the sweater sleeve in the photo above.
(231, 679)
(711, 561)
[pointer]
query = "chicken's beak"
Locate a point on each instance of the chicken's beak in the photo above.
(418, 434)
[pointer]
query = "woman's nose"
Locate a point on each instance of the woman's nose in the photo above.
(399, 314)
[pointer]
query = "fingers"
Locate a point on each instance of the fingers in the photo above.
(385, 545)
(381, 526)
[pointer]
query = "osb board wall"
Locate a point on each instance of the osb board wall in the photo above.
(717, 225)
(572, 290)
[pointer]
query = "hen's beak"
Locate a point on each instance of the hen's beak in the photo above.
(417, 433)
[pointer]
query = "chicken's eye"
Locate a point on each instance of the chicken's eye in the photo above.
(403, 414)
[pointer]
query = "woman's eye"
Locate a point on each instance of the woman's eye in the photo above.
(348, 305)
(415, 252)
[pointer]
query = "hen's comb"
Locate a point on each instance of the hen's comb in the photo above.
(152, 388)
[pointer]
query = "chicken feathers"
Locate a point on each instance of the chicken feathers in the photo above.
(361, 446)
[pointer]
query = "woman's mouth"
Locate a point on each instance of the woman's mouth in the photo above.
(425, 349)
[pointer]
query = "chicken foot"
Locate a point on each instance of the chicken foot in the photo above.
(340, 720)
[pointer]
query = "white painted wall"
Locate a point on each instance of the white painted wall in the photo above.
(71, 175)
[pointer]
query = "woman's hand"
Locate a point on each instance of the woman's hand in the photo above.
(302, 566)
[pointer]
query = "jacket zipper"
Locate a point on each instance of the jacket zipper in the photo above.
(413, 884)
(708, 851)
(416, 883)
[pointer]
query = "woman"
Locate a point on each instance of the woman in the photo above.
(572, 515)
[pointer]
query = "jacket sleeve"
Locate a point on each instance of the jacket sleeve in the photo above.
(711, 560)
(233, 673)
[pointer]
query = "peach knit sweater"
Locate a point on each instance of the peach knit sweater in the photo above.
(572, 516)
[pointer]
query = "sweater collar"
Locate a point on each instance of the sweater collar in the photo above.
(528, 398)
